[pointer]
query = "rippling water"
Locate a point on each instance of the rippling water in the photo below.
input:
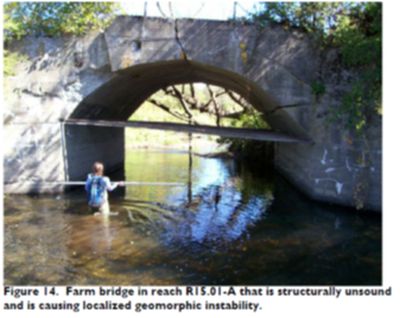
(224, 225)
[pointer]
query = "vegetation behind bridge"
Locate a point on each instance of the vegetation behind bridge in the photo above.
(355, 29)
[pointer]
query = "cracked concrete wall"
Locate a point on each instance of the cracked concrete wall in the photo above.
(61, 72)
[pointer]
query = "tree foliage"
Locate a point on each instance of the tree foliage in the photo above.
(51, 19)
(355, 28)
(56, 18)
(11, 60)
(360, 43)
(315, 17)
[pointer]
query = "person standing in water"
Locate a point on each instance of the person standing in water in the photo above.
(97, 187)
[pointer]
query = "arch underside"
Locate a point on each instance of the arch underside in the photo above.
(117, 99)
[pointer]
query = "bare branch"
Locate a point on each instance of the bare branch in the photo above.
(192, 91)
(205, 107)
(171, 12)
(233, 115)
(220, 93)
(238, 101)
(189, 102)
(170, 111)
(198, 11)
(161, 11)
(179, 96)
(216, 106)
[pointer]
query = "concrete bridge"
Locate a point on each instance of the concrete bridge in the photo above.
(108, 75)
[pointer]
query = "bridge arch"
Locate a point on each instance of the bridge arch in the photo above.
(129, 88)
(121, 96)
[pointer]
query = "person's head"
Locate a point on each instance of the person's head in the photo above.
(98, 168)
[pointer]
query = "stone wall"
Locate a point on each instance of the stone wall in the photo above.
(107, 75)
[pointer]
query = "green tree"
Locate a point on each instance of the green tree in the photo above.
(56, 18)
(359, 38)
(314, 17)
(355, 28)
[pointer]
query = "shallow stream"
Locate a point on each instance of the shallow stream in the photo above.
(221, 225)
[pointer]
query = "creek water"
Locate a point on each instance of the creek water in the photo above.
(223, 225)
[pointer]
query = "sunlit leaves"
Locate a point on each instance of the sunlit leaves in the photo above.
(11, 60)
(56, 18)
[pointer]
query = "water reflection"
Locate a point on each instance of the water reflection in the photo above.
(235, 228)
(212, 208)
(212, 171)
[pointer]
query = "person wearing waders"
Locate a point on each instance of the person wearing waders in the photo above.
(97, 187)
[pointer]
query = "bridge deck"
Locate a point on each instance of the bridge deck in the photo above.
(244, 133)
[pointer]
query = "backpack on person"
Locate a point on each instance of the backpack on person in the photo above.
(96, 193)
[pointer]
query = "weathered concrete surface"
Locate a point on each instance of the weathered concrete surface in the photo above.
(108, 75)
(33, 152)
